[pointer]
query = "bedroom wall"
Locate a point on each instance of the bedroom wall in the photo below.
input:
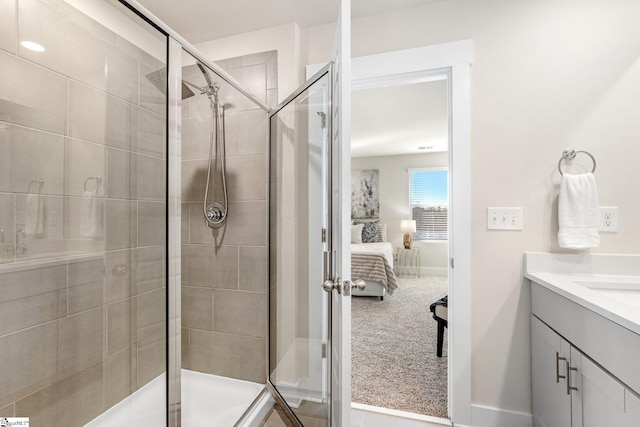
(394, 202)
(546, 75)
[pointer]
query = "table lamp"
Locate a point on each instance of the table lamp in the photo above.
(408, 226)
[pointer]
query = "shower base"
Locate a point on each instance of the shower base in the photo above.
(207, 400)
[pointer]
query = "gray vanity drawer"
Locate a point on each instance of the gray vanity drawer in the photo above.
(612, 346)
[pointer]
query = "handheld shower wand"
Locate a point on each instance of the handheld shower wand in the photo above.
(215, 213)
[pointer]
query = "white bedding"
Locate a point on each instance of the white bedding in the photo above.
(385, 248)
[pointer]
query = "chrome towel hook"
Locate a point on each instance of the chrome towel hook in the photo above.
(569, 155)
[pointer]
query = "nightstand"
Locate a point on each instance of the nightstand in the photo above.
(407, 261)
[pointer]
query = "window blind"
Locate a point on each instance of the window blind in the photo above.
(428, 198)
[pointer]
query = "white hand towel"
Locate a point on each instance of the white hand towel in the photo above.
(91, 216)
(578, 212)
(34, 219)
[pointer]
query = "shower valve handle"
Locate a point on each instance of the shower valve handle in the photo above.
(215, 215)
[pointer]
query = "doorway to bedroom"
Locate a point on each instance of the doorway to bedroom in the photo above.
(400, 209)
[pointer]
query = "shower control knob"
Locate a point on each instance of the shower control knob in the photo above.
(215, 215)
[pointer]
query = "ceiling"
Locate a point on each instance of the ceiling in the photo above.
(399, 119)
(203, 20)
(386, 121)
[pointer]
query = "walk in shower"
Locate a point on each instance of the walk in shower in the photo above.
(224, 268)
(104, 245)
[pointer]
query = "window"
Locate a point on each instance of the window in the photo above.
(429, 203)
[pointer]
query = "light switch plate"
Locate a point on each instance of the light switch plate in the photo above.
(608, 220)
(504, 218)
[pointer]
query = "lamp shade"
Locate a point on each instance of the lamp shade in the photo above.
(408, 225)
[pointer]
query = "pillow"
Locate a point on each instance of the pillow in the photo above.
(382, 232)
(356, 233)
(369, 231)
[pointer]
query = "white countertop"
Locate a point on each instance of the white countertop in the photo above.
(608, 285)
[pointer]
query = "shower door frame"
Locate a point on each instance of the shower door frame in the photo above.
(174, 234)
(327, 70)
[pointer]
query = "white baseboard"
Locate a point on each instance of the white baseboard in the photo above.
(485, 416)
(424, 271)
(374, 416)
(434, 271)
(482, 416)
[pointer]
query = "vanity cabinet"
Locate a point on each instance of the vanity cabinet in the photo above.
(569, 390)
(551, 403)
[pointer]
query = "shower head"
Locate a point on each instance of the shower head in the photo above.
(204, 72)
(211, 89)
(159, 80)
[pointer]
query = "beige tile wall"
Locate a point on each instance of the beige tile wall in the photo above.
(82, 320)
(224, 272)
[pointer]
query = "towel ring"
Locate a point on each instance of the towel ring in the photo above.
(570, 155)
(39, 182)
(97, 179)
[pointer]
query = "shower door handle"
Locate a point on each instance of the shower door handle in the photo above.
(329, 285)
(343, 287)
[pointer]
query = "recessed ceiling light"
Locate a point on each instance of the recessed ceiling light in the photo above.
(32, 46)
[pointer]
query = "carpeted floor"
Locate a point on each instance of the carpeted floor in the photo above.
(394, 363)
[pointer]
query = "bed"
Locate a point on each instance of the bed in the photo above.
(373, 263)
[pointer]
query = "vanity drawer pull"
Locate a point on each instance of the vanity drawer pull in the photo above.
(568, 377)
(558, 359)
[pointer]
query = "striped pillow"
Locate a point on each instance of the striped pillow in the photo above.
(382, 232)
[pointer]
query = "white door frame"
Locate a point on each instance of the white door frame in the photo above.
(387, 69)
(341, 203)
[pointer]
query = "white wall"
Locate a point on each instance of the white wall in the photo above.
(394, 202)
(547, 75)
(285, 39)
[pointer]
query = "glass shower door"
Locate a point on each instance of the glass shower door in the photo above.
(299, 229)
(82, 215)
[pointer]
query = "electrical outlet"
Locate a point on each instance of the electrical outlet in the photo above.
(504, 218)
(608, 219)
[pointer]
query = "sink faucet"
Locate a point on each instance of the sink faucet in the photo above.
(21, 248)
